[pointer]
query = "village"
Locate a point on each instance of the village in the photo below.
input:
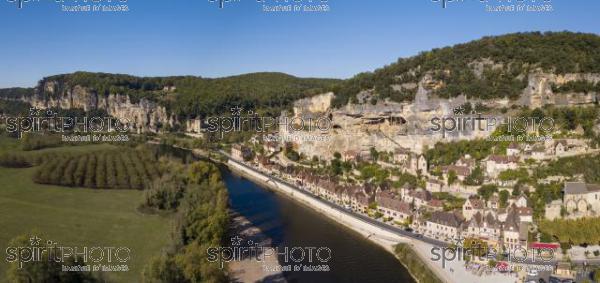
(438, 202)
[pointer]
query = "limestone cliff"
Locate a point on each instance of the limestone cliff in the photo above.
(143, 116)
(539, 90)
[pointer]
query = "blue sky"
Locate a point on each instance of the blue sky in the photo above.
(195, 37)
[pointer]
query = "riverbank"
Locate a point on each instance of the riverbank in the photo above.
(384, 239)
(414, 264)
(250, 270)
(382, 235)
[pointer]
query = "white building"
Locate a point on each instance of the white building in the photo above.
(498, 163)
(582, 198)
(513, 149)
(471, 207)
(445, 226)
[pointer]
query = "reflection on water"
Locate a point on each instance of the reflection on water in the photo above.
(290, 224)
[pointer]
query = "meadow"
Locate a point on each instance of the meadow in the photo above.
(78, 216)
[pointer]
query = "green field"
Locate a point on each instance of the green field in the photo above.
(78, 216)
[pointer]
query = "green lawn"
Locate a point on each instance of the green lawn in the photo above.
(77, 217)
(8, 144)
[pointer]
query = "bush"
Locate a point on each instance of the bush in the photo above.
(200, 198)
(12, 160)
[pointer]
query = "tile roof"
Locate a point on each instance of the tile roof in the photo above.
(574, 188)
(503, 159)
(446, 218)
(388, 200)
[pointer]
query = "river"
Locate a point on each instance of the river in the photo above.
(290, 224)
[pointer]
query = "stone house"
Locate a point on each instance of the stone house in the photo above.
(581, 198)
(418, 163)
(552, 210)
(513, 149)
(494, 202)
(445, 226)
(418, 197)
(471, 207)
(392, 206)
(361, 199)
(434, 185)
(462, 172)
(560, 148)
(466, 161)
(519, 201)
(514, 232)
(435, 205)
(401, 155)
(240, 152)
(272, 147)
(498, 163)
(483, 225)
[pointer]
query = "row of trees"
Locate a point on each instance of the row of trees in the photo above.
(32, 141)
(573, 231)
(107, 169)
(23, 160)
(14, 160)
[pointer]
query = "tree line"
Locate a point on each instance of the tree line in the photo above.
(197, 196)
(573, 231)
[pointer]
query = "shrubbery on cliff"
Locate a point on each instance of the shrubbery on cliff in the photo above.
(188, 96)
(519, 53)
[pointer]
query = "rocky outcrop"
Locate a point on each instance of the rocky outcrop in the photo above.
(539, 90)
(316, 104)
(143, 116)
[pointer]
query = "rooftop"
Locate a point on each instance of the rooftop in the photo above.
(575, 188)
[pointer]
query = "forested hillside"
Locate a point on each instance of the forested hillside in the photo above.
(491, 67)
(188, 96)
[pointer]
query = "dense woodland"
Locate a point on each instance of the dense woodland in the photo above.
(189, 96)
(516, 54)
(198, 197)
(15, 92)
(509, 59)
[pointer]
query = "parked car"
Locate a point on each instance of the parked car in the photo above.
(532, 273)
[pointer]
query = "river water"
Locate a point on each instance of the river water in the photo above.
(289, 224)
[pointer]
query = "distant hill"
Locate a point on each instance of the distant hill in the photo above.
(189, 96)
(491, 67)
(488, 68)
